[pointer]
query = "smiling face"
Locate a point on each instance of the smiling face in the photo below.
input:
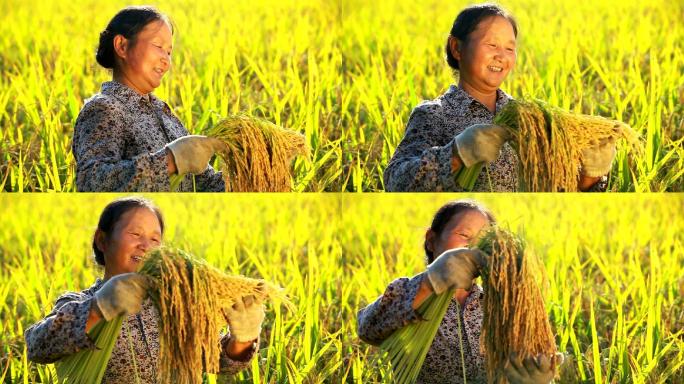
(487, 55)
(136, 232)
(141, 65)
(461, 231)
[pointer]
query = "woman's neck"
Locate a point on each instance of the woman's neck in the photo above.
(121, 78)
(486, 97)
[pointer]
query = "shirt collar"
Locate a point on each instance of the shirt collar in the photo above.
(461, 100)
(125, 94)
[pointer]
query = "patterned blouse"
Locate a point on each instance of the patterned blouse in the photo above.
(422, 161)
(119, 142)
(443, 363)
(62, 333)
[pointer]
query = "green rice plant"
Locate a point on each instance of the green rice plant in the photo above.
(88, 366)
(407, 347)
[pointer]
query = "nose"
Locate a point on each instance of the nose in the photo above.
(499, 53)
(166, 61)
(145, 244)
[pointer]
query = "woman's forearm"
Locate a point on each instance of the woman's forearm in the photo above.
(93, 316)
(239, 351)
(586, 182)
(424, 291)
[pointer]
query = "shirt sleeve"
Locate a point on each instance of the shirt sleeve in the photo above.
(99, 143)
(62, 332)
(210, 181)
(231, 366)
(420, 163)
(389, 312)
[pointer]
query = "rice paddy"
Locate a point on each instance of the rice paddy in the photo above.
(346, 75)
(614, 299)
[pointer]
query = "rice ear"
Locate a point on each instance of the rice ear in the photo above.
(191, 297)
(549, 142)
(515, 319)
(258, 154)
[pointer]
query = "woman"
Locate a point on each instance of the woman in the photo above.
(125, 138)
(455, 129)
(127, 229)
(455, 226)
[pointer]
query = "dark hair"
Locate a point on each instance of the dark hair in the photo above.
(449, 210)
(468, 20)
(128, 23)
(112, 214)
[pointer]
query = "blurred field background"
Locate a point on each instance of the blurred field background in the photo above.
(615, 266)
(346, 73)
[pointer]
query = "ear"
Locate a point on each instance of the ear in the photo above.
(100, 240)
(455, 48)
(430, 240)
(120, 46)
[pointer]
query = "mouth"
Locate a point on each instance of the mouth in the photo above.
(160, 71)
(494, 68)
(137, 258)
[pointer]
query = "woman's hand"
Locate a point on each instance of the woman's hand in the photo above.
(455, 268)
(120, 295)
(538, 370)
(597, 161)
(480, 143)
(245, 318)
(192, 153)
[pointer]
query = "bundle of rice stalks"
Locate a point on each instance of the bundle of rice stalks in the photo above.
(407, 347)
(258, 154)
(192, 298)
(515, 319)
(549, 143)
(89, 365)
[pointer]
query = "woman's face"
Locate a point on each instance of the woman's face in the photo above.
(143, 65)
(137, 231)
(461, 230)
(488, 55)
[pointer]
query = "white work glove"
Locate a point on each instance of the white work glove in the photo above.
(192, 153)
(245, 318)
(481, 143)
(596, 161)
(121, 295)
(539, 370)
(455, 268)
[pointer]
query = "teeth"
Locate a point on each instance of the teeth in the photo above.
(495, 69)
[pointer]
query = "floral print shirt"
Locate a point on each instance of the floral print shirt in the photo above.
(119, 142)
(443, 363)
(422, 161)
(62, 333)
